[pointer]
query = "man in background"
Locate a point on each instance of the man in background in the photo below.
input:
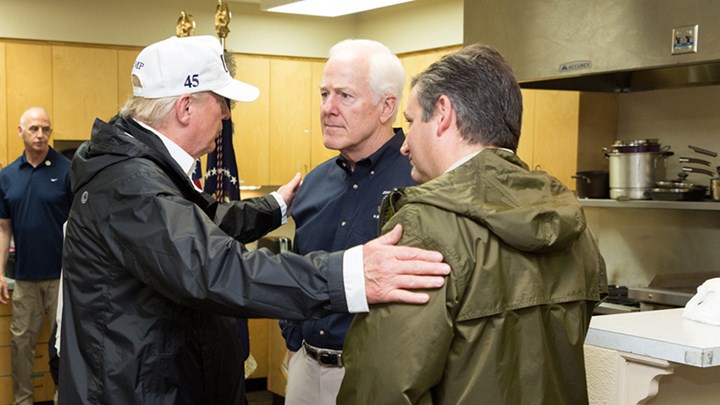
(154, 273)
(35, 198)
(337, 206)
(510, 323)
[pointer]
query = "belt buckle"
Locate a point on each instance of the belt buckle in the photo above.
(330, 359)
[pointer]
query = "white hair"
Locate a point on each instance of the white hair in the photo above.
(386, 74)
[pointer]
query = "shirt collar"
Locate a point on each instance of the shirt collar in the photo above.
(182, 158)
(470, 156)
(390, 146)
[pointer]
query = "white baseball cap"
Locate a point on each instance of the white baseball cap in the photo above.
(186, 65)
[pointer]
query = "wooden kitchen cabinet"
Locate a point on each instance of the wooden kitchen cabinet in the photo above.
(251, 122)
(28, 83)
(125, 61)
(318, 152)
(290, 119)
(3, 110)
(564, 131)
(41, 377)
(84, 87)
(278, 134)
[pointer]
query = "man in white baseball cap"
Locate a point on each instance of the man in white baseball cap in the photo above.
(155, 271)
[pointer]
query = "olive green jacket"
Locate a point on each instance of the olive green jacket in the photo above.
(509, 325)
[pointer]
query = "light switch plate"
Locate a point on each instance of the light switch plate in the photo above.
(684, 39)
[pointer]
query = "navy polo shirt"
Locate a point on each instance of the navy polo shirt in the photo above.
(337, 209)
(37, 200)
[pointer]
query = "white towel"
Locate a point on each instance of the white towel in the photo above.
(704, 306)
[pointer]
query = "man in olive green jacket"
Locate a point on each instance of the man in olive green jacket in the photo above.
(509, 326)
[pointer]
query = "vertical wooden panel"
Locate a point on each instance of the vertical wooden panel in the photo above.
(277, 375)
(29, 83)
(126, 59)
(556, 133)
(4, 160)
(318, 152)
(252, 122)
(527, 134)
(290, 112)
(259, 330)
(85, 87)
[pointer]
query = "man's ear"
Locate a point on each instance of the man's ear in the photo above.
(445, 113)
(182, 109)
(388, 107)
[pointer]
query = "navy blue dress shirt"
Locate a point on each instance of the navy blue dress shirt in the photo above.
(336, 209)
(37, 201)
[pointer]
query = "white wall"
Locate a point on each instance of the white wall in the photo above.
(141, 22)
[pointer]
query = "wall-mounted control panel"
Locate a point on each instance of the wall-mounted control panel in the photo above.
(684, 39)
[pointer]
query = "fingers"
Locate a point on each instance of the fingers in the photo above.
(416, 255)
(391, 237)
(396, 289)
(407, 297)
(295, 181)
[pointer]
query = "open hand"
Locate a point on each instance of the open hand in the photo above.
(289, 190)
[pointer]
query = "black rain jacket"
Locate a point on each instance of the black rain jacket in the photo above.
(154, 271)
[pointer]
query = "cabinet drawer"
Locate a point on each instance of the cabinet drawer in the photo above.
(43, 385)
(6, 309)
(40, 363)
(6, 390)
(6, 336)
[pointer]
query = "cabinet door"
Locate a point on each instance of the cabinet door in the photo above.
(85, 87)
(527, 133)
(290, 111)
(4, 158)
(29, 83)
(556, 133)
(318, 152)
(259, 330)
(252, 122)
(126, 59)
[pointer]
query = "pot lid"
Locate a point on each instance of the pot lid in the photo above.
(636, 142)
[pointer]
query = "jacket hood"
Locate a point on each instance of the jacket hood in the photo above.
(530, 211)
(110, 143)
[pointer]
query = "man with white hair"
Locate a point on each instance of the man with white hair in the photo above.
(337, 206)
(154, 270)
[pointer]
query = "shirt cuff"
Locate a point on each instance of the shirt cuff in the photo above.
(354, 278)
(283, 206)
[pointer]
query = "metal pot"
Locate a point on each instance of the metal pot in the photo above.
(633, 174)
(592, 184)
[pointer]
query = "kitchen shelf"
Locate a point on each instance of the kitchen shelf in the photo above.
(707, 205)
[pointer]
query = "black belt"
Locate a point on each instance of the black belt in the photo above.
(330, 358)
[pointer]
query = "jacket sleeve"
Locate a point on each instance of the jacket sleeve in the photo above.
(249, 220)
(405, 346)
(170, 244)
